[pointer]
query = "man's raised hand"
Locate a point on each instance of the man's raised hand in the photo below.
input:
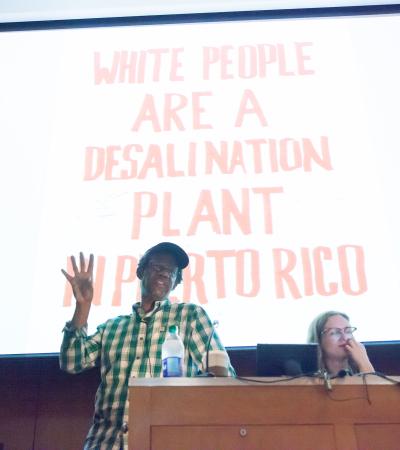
(82, 280)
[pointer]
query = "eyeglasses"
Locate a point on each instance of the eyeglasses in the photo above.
(337, 333)
(172, 272)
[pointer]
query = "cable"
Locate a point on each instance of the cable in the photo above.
(381, 375)
(146, 356)
(279, 380)
(323, 375)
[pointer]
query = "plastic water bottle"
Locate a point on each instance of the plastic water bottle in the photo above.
(172, 353)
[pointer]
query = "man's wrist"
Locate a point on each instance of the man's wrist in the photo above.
(71, 327)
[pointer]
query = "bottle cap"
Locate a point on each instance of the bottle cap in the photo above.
(173, 329)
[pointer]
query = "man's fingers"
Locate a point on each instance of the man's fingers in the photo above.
(90, 266)
(82, 262)
(67, 275)
(74, 266)
(81, 273)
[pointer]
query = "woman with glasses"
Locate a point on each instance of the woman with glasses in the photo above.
(340, 353)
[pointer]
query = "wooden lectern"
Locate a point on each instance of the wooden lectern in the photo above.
(231, 414)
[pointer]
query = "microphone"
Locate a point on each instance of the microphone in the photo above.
(292, 368)
(344, 372)
(214, 326)
(206, 373)
(327, 381)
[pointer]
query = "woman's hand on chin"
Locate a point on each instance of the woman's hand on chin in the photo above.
(358, 354)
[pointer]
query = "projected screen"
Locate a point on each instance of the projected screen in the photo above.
(268, 149)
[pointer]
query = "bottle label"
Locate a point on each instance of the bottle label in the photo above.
(172, 366)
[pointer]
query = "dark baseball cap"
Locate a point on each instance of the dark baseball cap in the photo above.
(181, 257)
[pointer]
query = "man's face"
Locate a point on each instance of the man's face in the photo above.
(159, 276)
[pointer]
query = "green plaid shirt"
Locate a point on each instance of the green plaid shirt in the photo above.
(130, 346)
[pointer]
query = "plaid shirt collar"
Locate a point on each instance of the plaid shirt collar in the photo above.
(138, 309)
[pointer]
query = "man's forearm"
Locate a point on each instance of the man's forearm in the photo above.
(81, 314)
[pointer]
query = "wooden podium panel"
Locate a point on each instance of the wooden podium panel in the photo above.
(276, 437)
(378, 437)
(231, 414)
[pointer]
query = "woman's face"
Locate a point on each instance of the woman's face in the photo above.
(335, 337)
